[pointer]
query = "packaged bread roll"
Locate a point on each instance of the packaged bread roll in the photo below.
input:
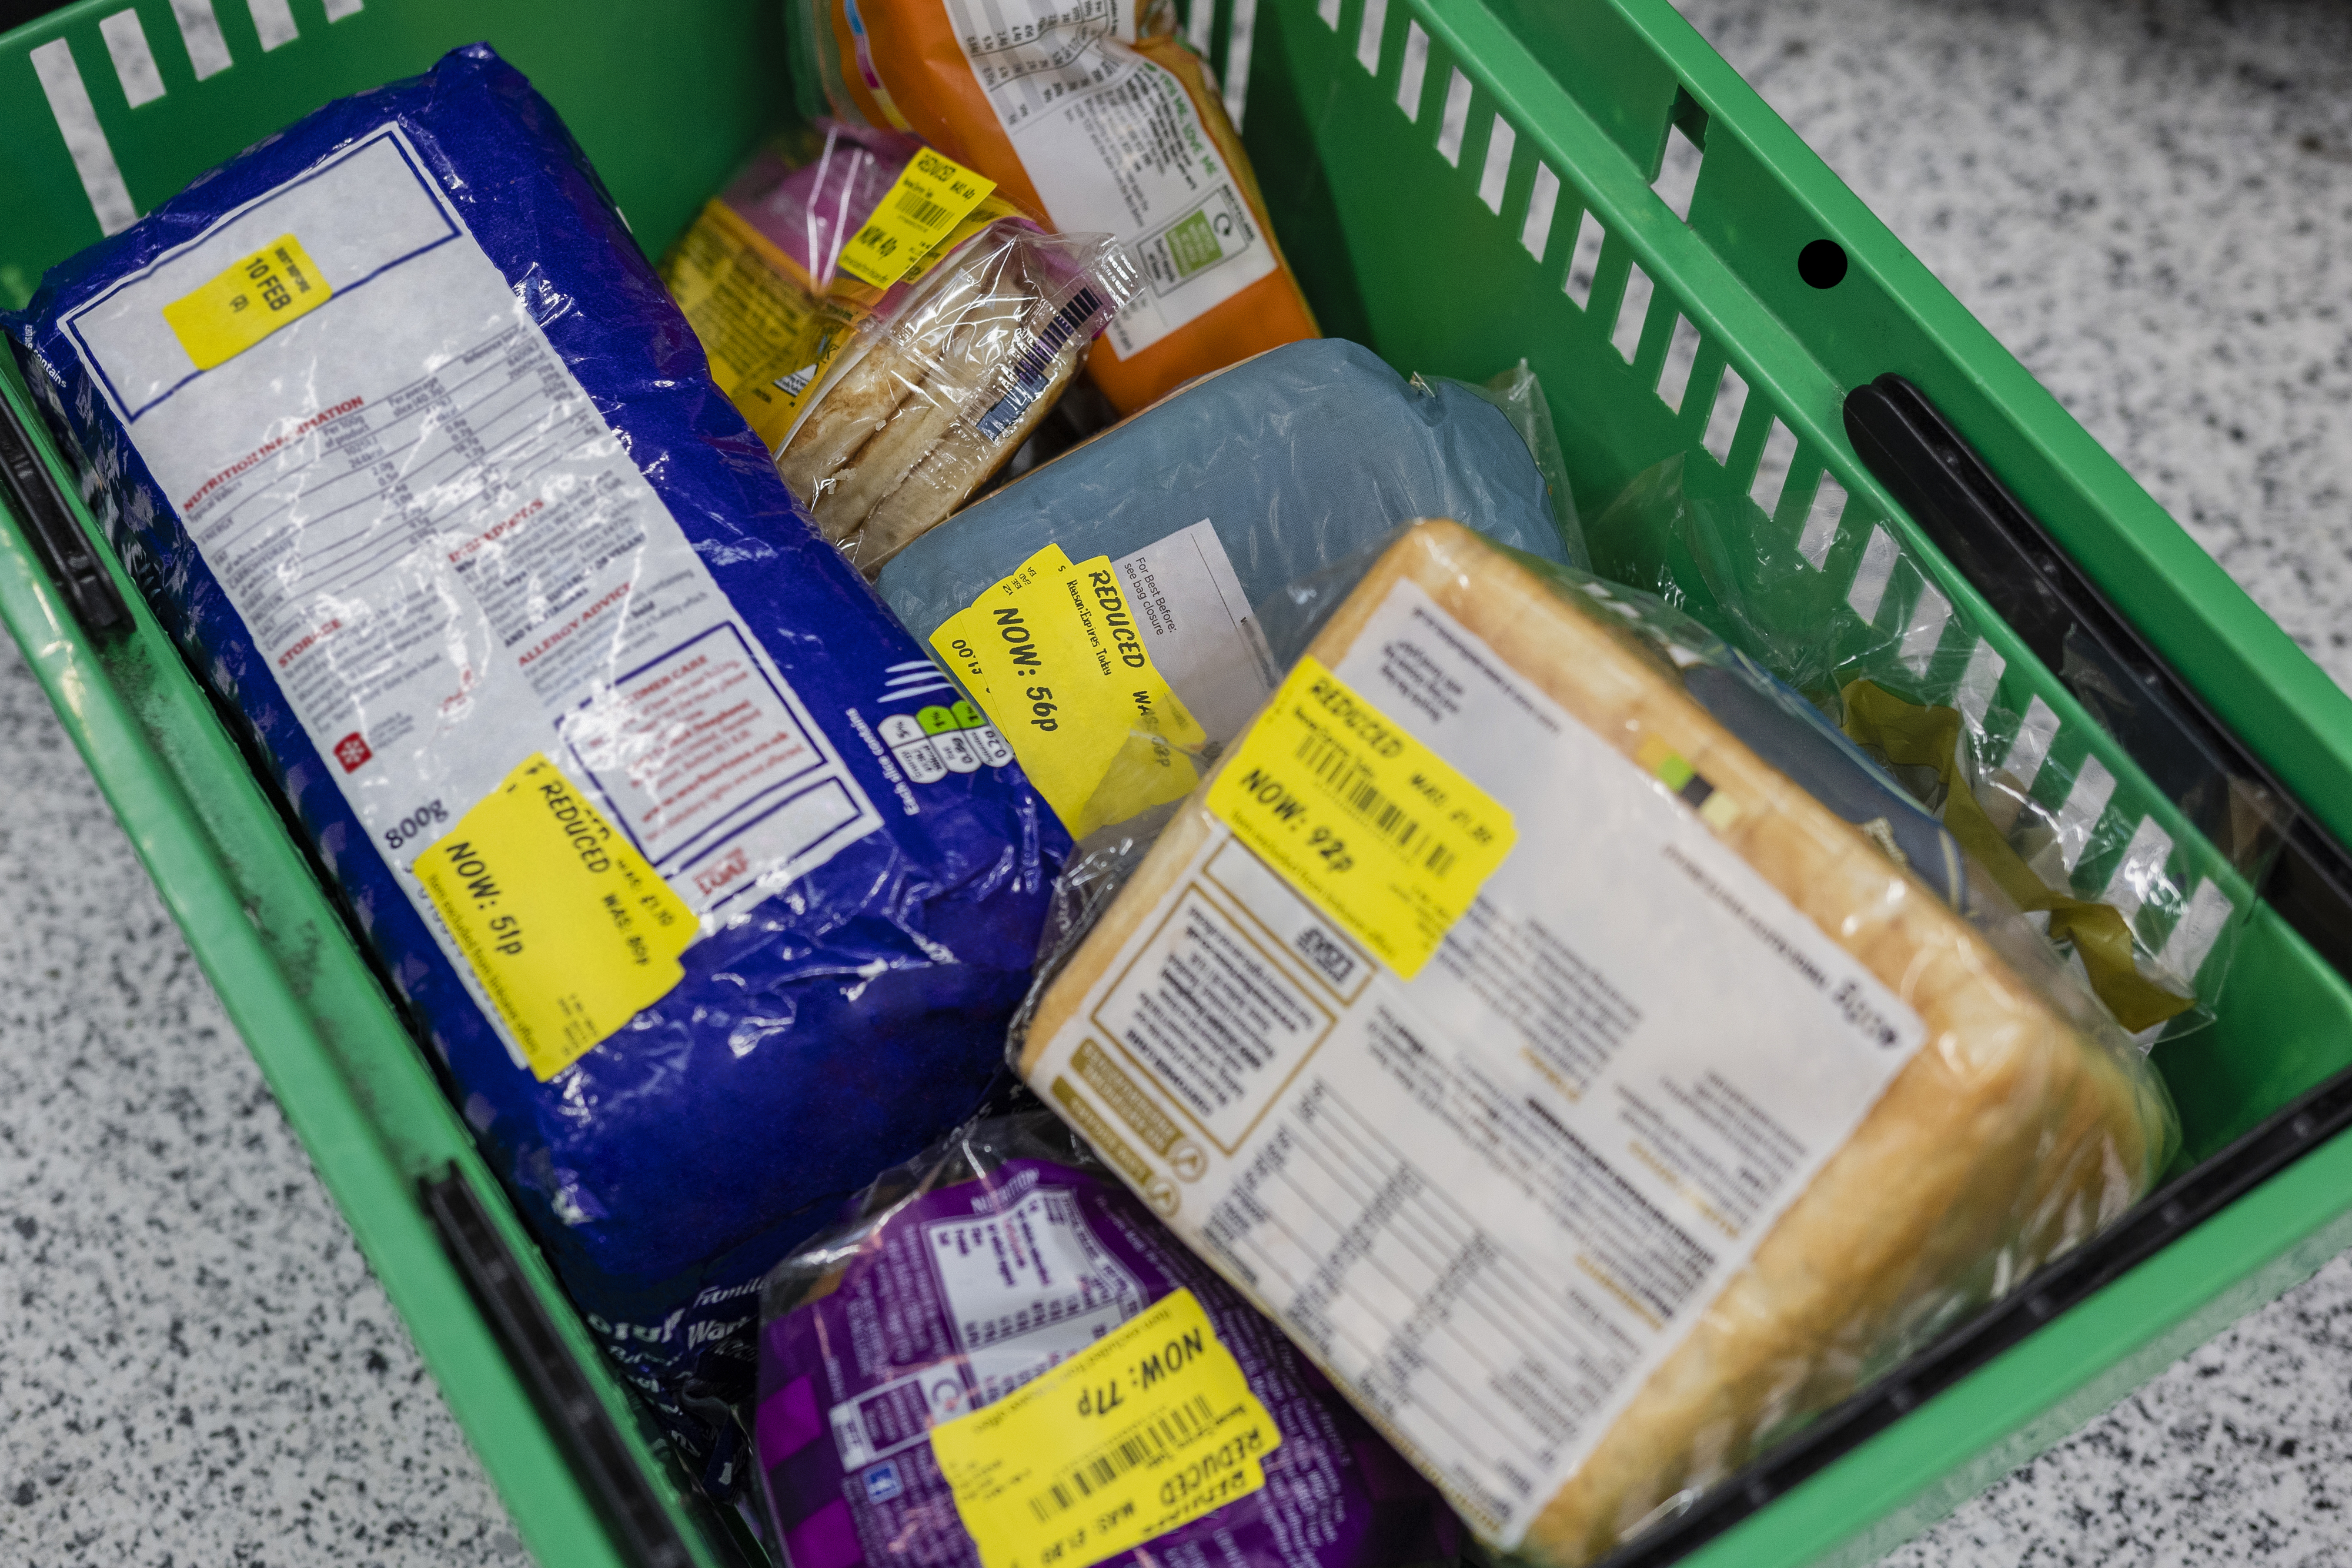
(1588, 1099)
(888, 324)
(1099, 118)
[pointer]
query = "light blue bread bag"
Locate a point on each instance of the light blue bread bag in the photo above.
(1214, 502)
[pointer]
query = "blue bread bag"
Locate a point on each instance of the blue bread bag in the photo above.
(608, 752)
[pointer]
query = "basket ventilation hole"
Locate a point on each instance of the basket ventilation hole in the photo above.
(2141, 870)
(1330, 11)
(134, 62)
(1925, 631)
(1536, 232)
(1241, 32)
(1632, 311)
(1200, 27)
(338, 9)
(1821, 522)
(1368, 35)
(2087, 803)
(1823, 263)
(1723, 420)
(1455, 122)
(1974, 699)
(1682, 353)
(1501, 141)
(1772, 468)
(273, 22)
(2032, 746)
(1584, 262)
(1868, 591)
(2185, 950)
(1416, 67)
(1678, 173)
(200, 30)
(85, 139)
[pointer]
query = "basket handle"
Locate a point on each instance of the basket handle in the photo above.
(56, 537)
(643, 1528)
(2076, 632)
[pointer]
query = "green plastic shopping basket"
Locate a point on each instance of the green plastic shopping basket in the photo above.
(1462, 183)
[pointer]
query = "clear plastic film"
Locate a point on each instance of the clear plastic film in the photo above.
(1109, 611)
(2152, 931)
(1097, 118)
(887, 403)
(1601, 1065)
(1019, 1279)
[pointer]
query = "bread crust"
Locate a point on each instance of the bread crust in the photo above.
(2010, 1136)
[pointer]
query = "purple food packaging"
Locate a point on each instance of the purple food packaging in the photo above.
(971, 1271)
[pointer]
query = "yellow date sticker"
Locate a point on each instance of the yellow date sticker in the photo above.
(567, 926)
(1375, 829)
(254, 297)
(1151, 1426)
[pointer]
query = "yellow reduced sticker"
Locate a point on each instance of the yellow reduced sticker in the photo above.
(565, 925)
(1053, 654)
(930, 197)
(1149, 1428)
(1378, 831)
(256, 294)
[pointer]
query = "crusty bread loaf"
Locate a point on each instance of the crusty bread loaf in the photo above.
(2010, 1136)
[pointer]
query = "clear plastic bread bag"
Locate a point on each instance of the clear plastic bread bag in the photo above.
(892, 327)
(1589, 1055)
(1000, 1352)
(2152, 923)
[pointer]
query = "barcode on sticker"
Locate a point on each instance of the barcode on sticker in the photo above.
(1339, 767)
(921, 210)
(1148, 1446)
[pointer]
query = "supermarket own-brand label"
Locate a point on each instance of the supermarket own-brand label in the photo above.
(1114, 143)
(1492, 1191)
(458, 575)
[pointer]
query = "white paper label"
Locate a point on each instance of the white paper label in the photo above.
(1490, 1201)
(1196, 621)
(449, 557)
(1114, 145)
(1027, 1288)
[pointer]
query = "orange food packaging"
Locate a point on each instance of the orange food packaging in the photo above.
(1096, 114)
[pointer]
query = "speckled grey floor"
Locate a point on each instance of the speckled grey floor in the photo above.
(197, 1369)
(2151, 202)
